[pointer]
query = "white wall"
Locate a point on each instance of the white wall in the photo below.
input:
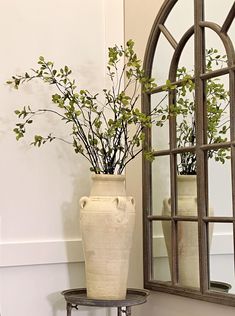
(139, 18)
(40, 246)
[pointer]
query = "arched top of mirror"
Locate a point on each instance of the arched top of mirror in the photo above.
(174, 20)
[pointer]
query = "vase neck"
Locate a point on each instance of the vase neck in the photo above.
(108, 185)
(187, 185)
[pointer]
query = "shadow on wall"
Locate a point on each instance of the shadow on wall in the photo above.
(70, 209)
(56, 299)
(78, 172)
(57, 302)
(71, 227)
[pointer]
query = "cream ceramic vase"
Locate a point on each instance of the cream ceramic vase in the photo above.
(188, 255)
(107, 219)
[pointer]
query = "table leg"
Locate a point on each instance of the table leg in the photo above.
(69, 308)
(119, 311)
(126, 310)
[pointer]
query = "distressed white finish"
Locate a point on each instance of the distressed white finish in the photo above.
(107, 219)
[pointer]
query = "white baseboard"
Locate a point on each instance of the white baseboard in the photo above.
(67, 251)
(221, 245)
(40, 252)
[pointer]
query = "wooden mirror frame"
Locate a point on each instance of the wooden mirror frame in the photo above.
(203, 219)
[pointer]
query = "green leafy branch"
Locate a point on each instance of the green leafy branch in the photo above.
(109, 134)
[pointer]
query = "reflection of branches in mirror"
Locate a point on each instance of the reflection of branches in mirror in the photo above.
(217, 102)
(214, 58)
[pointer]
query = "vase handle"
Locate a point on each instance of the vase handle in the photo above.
(121, 203)
(83, 201)
(132, 201)
(121, 216)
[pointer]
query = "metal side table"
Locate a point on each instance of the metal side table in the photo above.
(78, 297)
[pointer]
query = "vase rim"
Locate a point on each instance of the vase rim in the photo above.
(182, 177)
(108, 177)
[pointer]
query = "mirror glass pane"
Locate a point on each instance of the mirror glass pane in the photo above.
(185, 115)
(231, 31)
(214, 12)
(220, 185)
(221, 257)
(187, 59)
(160, 185)
(188, 256)
(216, 57)
(160, 127)
(218, 110)
(162, 60)
(161, 250)
(185, 100)
(183, 24)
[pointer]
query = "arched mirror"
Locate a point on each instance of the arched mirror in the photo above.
(189, 187)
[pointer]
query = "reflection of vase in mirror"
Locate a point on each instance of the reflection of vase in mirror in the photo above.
(187, 232)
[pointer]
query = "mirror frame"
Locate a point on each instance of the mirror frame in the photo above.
(203, 219)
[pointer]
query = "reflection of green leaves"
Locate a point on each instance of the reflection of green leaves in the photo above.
(149, 156)
(220, 155)
(184, 109)
(214, 58)
(169, 86)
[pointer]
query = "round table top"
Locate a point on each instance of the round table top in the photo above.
(79, 297)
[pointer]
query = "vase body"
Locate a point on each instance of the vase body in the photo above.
(107, 219)
(187, 232)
